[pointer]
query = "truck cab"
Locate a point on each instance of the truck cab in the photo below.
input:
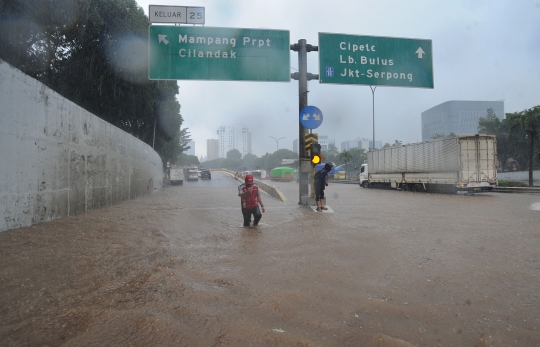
(363, 176)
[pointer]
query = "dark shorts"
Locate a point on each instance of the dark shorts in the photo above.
(247, 212)
(319, 191)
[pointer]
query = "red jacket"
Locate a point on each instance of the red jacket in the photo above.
(249, 201)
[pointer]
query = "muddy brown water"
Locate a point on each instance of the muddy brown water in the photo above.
(177, 269)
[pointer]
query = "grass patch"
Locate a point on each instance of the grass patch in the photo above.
(509, 183)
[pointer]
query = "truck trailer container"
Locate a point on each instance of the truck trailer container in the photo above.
(462, 163)
(176, 175)
(282, 174)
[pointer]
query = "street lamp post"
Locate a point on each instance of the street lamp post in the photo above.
(277, 142)
(373, 95)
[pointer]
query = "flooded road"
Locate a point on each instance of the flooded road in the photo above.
(177, 268)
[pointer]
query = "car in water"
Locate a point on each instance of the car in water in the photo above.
(193, 175)
(206, 174)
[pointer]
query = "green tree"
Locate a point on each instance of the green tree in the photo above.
(442, 136)
(215, 163)
(509, 143)
(184, 139)
(492, 125)
(270, 161)
(346, 156)
(249, 161)
(332, 154)
(396, 143)
(188, 160)
(94, 53)
(358, 156)
(527, 124)
(234, 154)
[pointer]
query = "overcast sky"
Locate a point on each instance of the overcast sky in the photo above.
(482, 50)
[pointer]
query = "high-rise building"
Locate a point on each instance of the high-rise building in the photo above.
(234, 137)
(295, 146)
(362, 143)
(324, 141)
(212, 149)
(191, 150)
(458, 117)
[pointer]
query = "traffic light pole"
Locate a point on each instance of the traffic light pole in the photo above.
(302, 76)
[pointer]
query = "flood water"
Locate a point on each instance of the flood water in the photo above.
(177, 268)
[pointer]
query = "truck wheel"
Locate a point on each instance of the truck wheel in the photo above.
(405, 187)
(417, 188)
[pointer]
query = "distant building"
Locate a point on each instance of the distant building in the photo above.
(458, 117)
(295, 146)
(234, 137)
(212, 149)
(361, 143)
(324, 141)
(191, 150)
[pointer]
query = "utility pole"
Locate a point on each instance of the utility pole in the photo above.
(302, 76)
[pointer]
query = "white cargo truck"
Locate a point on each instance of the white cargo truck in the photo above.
(462, 163)
(176, 176)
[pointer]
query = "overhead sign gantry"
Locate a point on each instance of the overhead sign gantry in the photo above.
(218, 54)
(375, 61)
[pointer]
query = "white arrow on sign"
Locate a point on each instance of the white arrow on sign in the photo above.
(316, 116)
(163, 38)
(306, 116)
(420, 51)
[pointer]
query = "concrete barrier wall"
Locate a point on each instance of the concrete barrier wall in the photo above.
(57, 159)
(267, 188)
(518, 175)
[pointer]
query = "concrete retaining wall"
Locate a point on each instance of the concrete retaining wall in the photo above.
(267, 188)
(518, 175)
(57, 159)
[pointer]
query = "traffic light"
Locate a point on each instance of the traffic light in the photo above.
(315, 150)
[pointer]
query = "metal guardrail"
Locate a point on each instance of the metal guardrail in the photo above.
(343, 181)
(516, 190)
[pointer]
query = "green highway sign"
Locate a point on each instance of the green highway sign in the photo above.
(375, 61)
(218, 54)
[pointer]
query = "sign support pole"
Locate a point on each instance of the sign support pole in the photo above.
(154, 138)
(373, 103)
(302, 76)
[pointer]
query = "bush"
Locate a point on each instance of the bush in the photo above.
(508, 183)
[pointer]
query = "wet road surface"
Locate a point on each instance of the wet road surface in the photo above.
(176, 268)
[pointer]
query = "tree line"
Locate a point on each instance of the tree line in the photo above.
(518, 135)
(95, 53)
(234, 160)
(518, 146)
